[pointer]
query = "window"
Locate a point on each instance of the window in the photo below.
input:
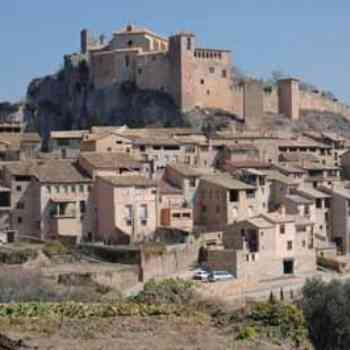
(208, 92)
(242, 233)
(19, 220)
(129, 214)
(82, 206)
(187, 215)
(57, 189)
(65, 188)
(211, 70)
(142, 148)
(143, 211)
(224, 73)
(139, 71)
(318, 203)
(81, 188)
(202, 81)
(20, 205)
(130, 43)
(189, 44)
(234, 196)
(289, 245)
(127, 61)
(192, 181)
(19, 188)
(304, 244)
(89, 188)
(217, 209)
(250, 194)
(73, 188)
(176, 216)
(327, 203)
(109, 149)
(282, 229)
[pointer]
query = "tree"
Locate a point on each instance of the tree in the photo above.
(326, 309)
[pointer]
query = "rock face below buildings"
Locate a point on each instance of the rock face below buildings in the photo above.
(54, 103)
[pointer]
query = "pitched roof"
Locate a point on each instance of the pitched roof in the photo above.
(127, 181)
(227, 181)
(110, 160)
(60, 171)
(260, 222)
(49, 171)
(187, 170)
(312, 192)
(68, 134)
(298, 199)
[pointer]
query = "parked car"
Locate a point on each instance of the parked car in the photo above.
(201, 275)
(219, 276)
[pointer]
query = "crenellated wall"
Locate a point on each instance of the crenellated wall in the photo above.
(311, 101)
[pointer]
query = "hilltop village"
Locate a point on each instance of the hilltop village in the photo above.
(259, 204)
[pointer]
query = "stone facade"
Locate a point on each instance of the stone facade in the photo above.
(193, 76)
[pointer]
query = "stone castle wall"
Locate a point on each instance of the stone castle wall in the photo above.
(310, 101)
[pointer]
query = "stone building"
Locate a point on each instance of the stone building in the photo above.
(50, 200)
(192, 76)
(221, 200)
(126, 209)
(267, 246)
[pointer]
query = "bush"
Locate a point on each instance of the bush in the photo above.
(247, 333)
(169, 291)
(286, 320)
(55, 248)
(326, 308)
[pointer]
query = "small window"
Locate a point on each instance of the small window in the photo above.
(130, 43)
(65, 188)
(109, 149)
(81, 188)
(208, 92)
(73, 188)
(289, 245)
(211, 70)
(139, 71)
(202, 81)
(82, 206)
(224, 73)
(19, 220)
(19, 188)
(282, 229)
(189, 44)
(57, 189)
(20, 205)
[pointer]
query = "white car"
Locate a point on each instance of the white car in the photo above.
(201, 275)
(219, 276)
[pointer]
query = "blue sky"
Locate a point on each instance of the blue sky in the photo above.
(305, 38)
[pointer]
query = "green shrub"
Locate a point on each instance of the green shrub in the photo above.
(286, 320)
(55, 248)
(247, 333)
(168, 291)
